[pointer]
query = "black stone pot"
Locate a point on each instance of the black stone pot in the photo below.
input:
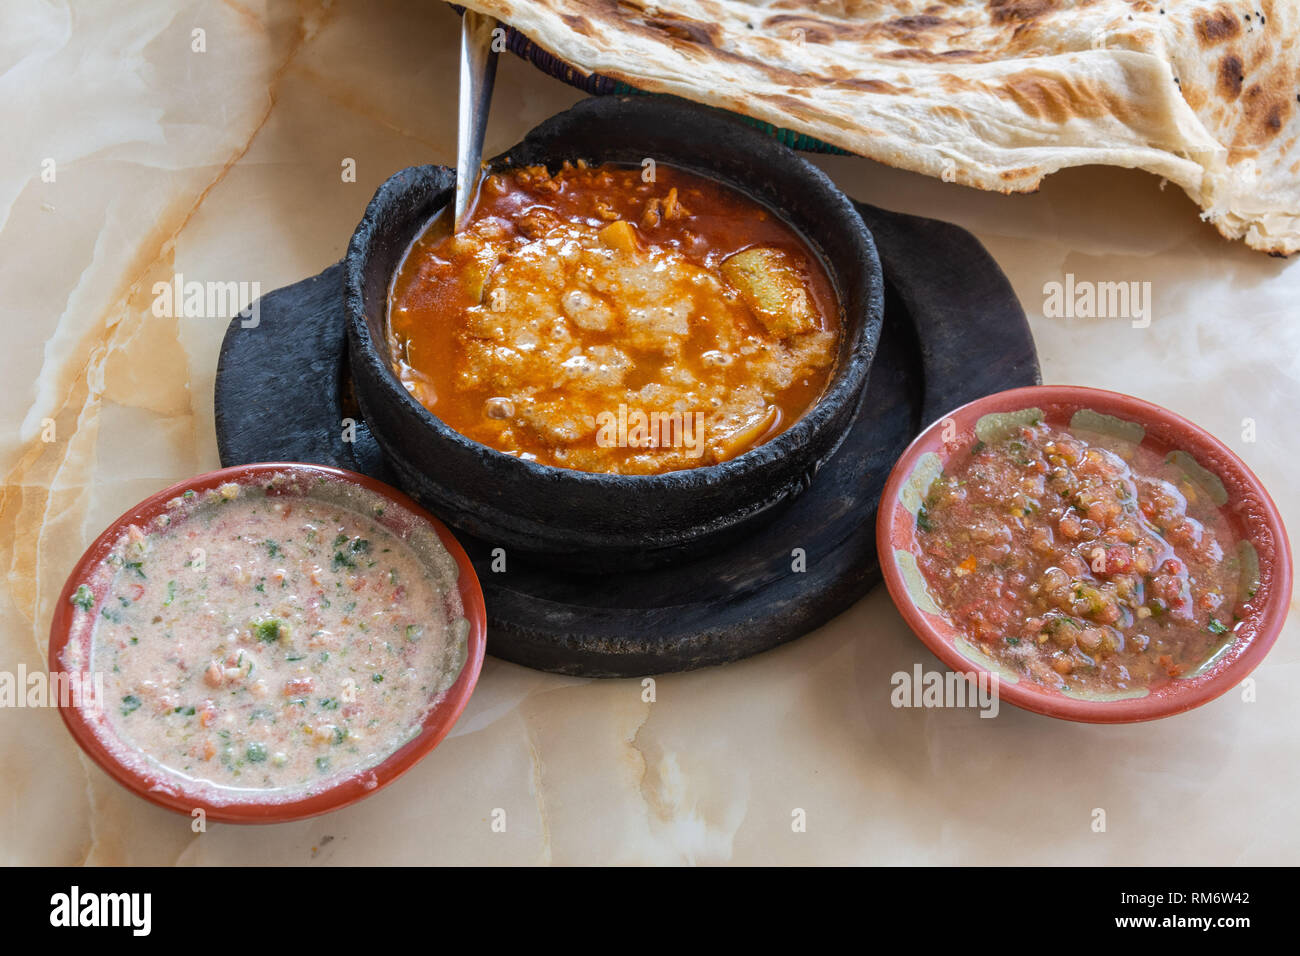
(597, 522)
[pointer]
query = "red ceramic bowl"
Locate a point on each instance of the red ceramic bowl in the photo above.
(1250, 511)
(91, 730)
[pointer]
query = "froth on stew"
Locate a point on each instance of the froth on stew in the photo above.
(603, 319)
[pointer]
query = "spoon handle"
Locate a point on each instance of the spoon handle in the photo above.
(478, 69)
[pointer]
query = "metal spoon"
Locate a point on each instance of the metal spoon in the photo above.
(478, 70)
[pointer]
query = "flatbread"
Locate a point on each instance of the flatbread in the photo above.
(995, 94)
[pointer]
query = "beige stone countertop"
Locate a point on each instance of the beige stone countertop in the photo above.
(130, 157)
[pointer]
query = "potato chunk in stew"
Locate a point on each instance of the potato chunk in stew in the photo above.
(773, 289)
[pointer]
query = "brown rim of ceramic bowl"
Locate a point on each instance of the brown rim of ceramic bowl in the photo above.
(437, 723)
(1249, 509)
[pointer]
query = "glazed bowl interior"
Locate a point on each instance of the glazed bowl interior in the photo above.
(71, 637)
(1207, 464)
(558, 511)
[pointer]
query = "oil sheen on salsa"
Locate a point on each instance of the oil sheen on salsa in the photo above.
(1086, 565)
(268, 642)
(607, 320)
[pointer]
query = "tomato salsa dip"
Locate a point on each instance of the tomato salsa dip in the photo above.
(614, 319)
(263, 641)
(1082, 559)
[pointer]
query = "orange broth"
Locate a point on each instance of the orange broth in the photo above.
(572, 307)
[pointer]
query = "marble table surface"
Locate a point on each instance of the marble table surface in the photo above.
(131, 155)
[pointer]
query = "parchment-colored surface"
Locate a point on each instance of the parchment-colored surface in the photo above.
(225, 166)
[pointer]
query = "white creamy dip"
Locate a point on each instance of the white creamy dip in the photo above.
(270, 641)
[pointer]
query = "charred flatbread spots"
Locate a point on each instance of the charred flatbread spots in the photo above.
(990, 93)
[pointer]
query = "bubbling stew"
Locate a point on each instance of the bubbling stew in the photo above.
(614, 319)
